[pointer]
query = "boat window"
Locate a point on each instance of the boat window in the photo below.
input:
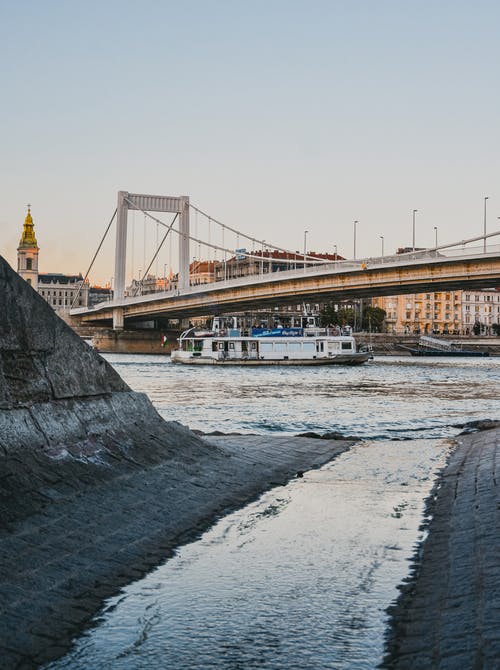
(266, 347)
(221, 346)
(293, 346)
(280, 346)
(346, 345)
(254, 345)
(231, 345)
(309, 347)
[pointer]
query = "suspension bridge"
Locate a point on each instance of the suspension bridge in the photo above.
(238, 279)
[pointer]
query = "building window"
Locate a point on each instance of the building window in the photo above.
(29, 264)
(28, 281)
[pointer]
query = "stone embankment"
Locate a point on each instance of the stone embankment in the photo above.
(448, 613)
(96, 488)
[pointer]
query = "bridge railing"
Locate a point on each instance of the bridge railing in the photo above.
(334, 267)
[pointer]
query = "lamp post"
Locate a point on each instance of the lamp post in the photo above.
(382, 241)
(305, 247)
(354, 227)
(486, 197)
(413, 227)
(436, 236)
(335, 248)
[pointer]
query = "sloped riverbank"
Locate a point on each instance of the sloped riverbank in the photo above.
(96, 488)
(448, 614)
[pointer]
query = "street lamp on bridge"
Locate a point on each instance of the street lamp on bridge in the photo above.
(355, 226)
(413, 218)
(382, 240)
(436, 236)
(305, 247)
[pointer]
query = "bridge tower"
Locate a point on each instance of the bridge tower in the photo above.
(147, 203)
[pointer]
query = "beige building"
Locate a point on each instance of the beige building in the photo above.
(443, 312)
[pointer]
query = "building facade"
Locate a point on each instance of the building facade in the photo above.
(63, 292)
(460, 312)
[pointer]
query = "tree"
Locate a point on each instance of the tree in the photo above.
(329, 316)
(345, 316)
(373, 318)
(477, 328)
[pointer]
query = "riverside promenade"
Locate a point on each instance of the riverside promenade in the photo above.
(448, 614)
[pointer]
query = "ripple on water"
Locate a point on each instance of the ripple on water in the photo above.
(389, 398)
(300, 578)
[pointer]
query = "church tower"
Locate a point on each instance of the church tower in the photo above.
(27, 253)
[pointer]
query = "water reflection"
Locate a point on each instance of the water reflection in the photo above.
(299, 579)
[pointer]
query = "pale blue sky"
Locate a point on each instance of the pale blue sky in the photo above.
(274, 116)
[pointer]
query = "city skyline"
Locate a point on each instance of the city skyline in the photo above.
(276, 118)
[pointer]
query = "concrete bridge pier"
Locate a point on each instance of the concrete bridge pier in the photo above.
(118, 318)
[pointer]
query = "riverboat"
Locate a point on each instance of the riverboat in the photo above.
(226, 344)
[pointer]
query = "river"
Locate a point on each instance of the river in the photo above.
(302, 577)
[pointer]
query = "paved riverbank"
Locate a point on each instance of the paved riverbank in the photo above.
(448, 615)
(60, 563)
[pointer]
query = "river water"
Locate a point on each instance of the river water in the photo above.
(300, 578)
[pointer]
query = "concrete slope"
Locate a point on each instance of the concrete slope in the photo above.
(41, 358)
(448, 614)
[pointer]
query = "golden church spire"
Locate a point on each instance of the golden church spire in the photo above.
(28, 238)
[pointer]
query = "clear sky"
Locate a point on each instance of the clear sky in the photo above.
(275, 116)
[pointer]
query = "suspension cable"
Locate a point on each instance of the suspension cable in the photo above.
(312, 260)
(92, 261)
(155, 255)
(254, 239)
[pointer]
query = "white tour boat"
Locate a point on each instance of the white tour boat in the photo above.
(226, 344)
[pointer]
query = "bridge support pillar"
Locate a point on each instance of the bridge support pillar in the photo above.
(118, 319)
(121, 246)
(183, 242)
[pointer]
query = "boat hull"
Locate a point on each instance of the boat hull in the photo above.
(433, 352)
(349, 359)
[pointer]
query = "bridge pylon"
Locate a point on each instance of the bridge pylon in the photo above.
(147, 203)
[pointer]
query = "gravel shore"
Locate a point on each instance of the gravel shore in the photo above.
(448, 614)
